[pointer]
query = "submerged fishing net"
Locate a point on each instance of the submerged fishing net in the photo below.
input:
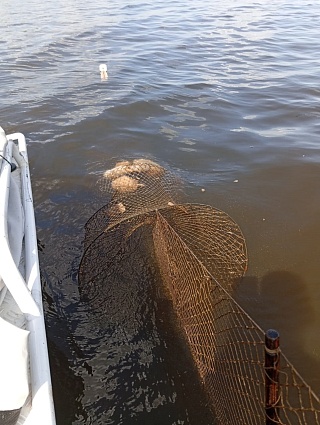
(199, 254)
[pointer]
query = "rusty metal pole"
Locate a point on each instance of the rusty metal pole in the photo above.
(271, 368)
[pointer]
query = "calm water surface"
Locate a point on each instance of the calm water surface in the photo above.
(225, 95)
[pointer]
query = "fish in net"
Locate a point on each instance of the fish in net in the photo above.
(145, 230)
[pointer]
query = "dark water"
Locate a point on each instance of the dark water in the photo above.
(227, 96)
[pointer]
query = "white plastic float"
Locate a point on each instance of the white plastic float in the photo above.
(103, 71)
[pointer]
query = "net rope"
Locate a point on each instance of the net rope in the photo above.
(201, 255)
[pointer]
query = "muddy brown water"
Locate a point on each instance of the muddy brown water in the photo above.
(226, 96)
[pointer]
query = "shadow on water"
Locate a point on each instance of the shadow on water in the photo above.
(152, 371)
(67, 384)
(121, 358)
(280, 300)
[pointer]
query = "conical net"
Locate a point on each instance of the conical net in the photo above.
(200, 254)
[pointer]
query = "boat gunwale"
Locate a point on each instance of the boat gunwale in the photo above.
(42, 406)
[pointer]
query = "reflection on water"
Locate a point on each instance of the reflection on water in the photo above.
(224, 95)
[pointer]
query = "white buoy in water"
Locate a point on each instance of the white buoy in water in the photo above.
(103, 71)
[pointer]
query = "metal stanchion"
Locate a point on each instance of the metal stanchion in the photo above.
(271, 367)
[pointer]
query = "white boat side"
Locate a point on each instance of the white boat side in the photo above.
(24, 287)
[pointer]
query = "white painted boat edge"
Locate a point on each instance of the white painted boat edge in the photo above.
(42, 406)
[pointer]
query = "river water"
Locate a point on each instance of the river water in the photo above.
(225, 95)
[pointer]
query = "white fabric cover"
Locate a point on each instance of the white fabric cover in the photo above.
(15, 219)
(14, 386)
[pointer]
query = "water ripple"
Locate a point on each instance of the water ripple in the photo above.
(225, 93)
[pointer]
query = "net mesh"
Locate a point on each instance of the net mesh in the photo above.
(200, 254)
(132, 188)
